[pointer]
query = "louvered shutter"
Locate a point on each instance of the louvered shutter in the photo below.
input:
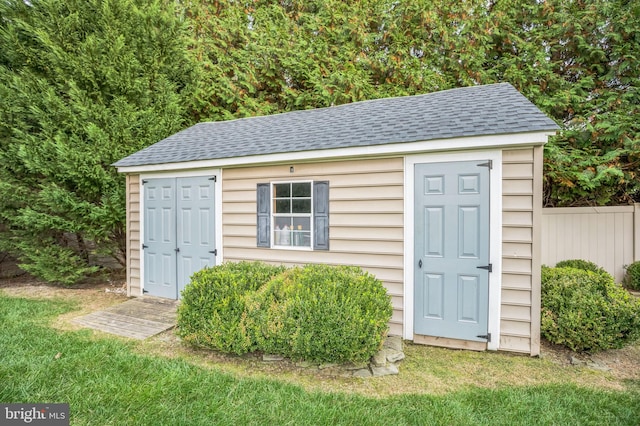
(263, 234)
(321, 215)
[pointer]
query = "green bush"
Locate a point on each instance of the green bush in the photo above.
(587, 311)
(585, 265)
(213, 305)
(320, 313)
(632, 276)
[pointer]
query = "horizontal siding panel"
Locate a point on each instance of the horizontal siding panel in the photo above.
(517, 202)
(238, 207)
(237, 219)
(517, 186)
(393, 276)
(522, 281)
(356, 206)
(516, 265)
(395, 329)
(516, 297)
(516, 249)
(248, 195)
(517, 218)
(515, 328)
(517, 155)
(134, 197)
(397, 315)
(395, 288)
(368, 192)
(134, 236)
(515, 233)
(517, 171)
(372, 220)
(318, 168)
(239, 231)
(366, 233)
(302, 257)
(134, 207)
(516, 312)
(366, 246)
(515, 343)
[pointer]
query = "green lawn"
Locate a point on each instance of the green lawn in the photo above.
(107, 382)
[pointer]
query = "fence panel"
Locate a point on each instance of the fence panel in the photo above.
(607, 236)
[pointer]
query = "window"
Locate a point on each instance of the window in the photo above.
(293, 214)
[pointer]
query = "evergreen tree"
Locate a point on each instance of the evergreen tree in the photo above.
(83, 83)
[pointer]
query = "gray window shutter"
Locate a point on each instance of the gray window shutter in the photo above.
(321, 215)
(263, 201)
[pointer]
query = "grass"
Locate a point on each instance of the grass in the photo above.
(107, 381)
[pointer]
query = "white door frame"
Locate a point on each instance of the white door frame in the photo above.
(495, 234)
(217, 207)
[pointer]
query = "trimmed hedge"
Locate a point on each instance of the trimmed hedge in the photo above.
(585, 265)
(632, 276)
(213, 304)
(320, 313)
(587, 311)
(316, 313)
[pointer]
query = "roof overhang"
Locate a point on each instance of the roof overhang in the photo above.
(437, 145)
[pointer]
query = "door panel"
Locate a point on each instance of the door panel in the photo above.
(179, 232)
(451, 242)
(196, 238)
(159, 234)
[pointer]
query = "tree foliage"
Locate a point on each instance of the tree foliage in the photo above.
(82, 84)
(576, 59)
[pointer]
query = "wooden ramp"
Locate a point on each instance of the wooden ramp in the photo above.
(137, 318)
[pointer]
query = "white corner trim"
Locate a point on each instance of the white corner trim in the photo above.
(495, 234)
(217, 205)
(406, 148)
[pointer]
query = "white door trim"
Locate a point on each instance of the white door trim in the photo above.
(495, 234)
(217, 206)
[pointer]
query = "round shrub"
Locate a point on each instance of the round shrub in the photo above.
(585, 265)
(587, 311)
(213, 304)
(632, 276)
(320, 313)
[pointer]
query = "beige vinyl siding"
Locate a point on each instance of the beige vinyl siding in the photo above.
(520, 207)
(133, 234)
(365, 218)
(608, 236)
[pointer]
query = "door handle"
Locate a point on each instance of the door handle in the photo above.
(177, 249)
(420, 264)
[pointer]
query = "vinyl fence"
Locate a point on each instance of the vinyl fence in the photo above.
(608, 236)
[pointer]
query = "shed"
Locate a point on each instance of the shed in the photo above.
(439, 195)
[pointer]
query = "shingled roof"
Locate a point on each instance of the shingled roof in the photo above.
(471, 111)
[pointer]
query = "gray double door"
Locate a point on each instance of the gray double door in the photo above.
(452, 250)
(179, 232)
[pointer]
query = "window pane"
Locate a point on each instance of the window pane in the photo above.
(282, 190)
(301, 206)
(301, 189)
(282, 232)
(301, 236)
(283, 206)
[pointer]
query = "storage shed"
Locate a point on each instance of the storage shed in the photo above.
(438, 195)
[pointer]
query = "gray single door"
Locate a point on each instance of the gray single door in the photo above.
(451, 249)
(160, 238)
(195, 227)
(179, 226)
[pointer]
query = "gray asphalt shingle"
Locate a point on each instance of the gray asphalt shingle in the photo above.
(471, 111)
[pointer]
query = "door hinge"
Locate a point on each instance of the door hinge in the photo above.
(144, 246)
(144, 181)
(488, 164)
(485, 336)
(214, 252)
(214, 178)
(144, 290)
(489, 267)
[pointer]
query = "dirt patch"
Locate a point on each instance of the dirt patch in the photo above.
(425, 369)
